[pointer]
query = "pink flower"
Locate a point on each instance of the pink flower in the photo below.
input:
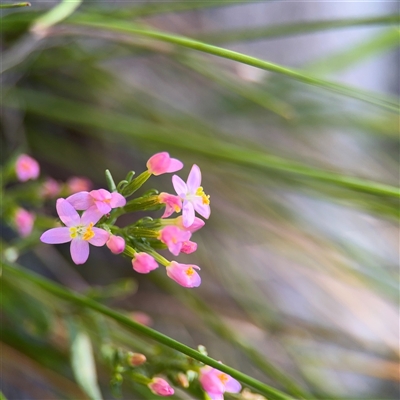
(161, 163)
(78, 184)
(193, 196)
(23, 221)
(216, 383)
(172, 203)
(184, 274)
(80, 231)
(188, 247)
(116, 244)
(26, 168)
(144, 263)
(50, 188)
(101, 199)
(173, 237)
(160, 387)
(197, 224)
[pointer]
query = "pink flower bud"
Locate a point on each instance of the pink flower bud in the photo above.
(78, 184)
(26, 168)
(197, 224)
(116, 244)
(188, 247)
(23, 221)
(136, 359)
(160, 387)
(144, 263)
(161, 163)
(184, 274)
(50, 189)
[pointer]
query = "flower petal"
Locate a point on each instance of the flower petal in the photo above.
(194, 179)
(102, 207)
(174, 165)
(100, 237)
(100, 195)
(187, 213)
(203, 209)
(117, 200)
(79, 251)
(232, 385)
(80, 201)
(56, 235)
(179, 186)
(92, 214)
(67, 213)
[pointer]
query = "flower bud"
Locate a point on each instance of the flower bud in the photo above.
(23, 221)
(78, 184)
(116, 244)
(162, 163)
(160, 387)
(144, 263)
(183, 380)
(26, 168)
(136, 359)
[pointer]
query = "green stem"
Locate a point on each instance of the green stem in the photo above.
(15, 5)
(59, 291)
(126, 28)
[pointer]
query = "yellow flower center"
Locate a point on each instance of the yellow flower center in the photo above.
(223, 377)
(189, 271)
(204, 197)
(85, 232)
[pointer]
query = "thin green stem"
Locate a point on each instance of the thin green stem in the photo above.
(15, 5)
(118, 26)
(59, 291)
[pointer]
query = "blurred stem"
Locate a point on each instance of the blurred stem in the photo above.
(15, 5)
(59, 291)
(264, 32)
(80, 114)
(118, 26)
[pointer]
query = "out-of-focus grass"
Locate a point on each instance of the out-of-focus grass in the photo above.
(299, 258)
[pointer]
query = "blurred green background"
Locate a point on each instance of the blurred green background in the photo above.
(300, 156)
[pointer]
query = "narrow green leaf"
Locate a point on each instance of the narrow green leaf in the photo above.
(126, 28)
(266, 32)
(83, 364)
(61, 292)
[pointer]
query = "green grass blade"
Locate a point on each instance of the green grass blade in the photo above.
(75, 114)
(74, 298)
(117, 26)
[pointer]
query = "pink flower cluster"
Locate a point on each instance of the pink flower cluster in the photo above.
(82, 210)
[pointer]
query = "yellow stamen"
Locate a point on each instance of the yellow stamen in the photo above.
(223, 377)
(189, 271)
(204, 197)
(89, 233)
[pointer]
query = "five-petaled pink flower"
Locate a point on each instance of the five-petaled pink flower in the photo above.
(174, 238)
(26, 168)
(160, 387)
(162, 163)
(23, 221)
(80, 231)
(172, 203)
(184, 274)
(144, 263)
(101, 199)
(216, 383)
(192, 195)
(116, 244)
